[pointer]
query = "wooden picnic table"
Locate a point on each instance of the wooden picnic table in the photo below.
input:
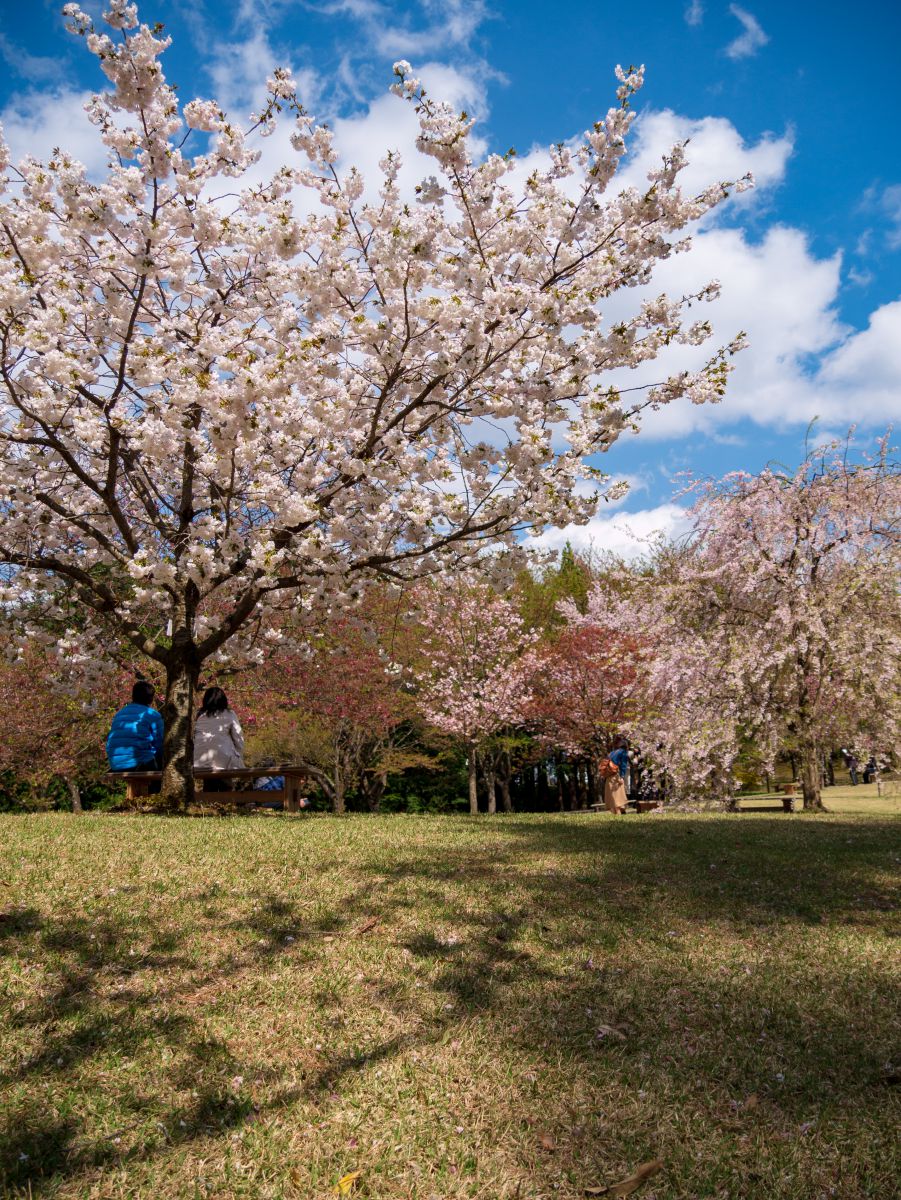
(137, 785)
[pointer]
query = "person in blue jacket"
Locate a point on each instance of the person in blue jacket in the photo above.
(135, 739)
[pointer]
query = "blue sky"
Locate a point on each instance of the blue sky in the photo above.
(806, 96)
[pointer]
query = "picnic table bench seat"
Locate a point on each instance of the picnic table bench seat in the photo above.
(137, 786)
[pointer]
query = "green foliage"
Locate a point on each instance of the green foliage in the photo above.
(540, 594)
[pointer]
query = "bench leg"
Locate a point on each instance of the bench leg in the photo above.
(291, 804)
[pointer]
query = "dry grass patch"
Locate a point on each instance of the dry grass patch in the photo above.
(518, 1007)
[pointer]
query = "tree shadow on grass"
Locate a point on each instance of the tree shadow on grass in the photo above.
(730, 869)
(562, 952)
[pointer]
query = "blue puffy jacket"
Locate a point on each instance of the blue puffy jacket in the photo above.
(621, 758)
(135, 738)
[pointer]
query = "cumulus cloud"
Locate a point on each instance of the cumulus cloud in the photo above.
(861, 376)
(628, 534)
(752, 37)
(716, 151)
(802, 361)
(37, 122)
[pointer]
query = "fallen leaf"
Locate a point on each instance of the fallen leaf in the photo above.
(547, 1142)
(625, 1187)
(611, 1031)
(751, 1102)
(367, 925)
(345, 1183)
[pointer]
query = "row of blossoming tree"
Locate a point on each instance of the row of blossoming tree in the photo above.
(230, 406)
(775, 623)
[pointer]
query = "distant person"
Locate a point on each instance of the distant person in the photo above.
(218, 738)
(852, 764)
(135, 739)
(870, 770)
(613, 770)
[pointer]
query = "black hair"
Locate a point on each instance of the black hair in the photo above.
(142, 693)
(214, 701)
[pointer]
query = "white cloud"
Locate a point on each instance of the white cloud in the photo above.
(694, 14)
(862, 375)
(802, 361)
(390, 124)
(629, 534)
(886, 202)
(716, 151)
(37, 122)
(751, 39)
(35, 68)
(445, 24)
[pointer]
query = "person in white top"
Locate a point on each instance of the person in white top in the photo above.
(218, 736)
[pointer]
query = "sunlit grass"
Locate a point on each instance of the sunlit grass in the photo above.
(509, 1007)
(863, 800)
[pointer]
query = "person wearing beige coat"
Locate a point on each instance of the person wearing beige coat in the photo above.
(218, 736)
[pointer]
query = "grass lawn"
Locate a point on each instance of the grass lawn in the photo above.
(844, 799)
(518, 1007)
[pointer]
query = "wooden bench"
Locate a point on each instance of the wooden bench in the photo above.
(137, 786)
(788, 798)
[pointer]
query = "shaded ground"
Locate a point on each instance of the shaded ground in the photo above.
(510, 1007)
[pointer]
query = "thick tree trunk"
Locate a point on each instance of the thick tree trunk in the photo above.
(491, 787)
(177, 789)
(74, 796)
(810, 777)
(374, 784)
(472, 766)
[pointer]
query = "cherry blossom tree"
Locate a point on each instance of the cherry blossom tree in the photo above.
(588, 685)
(50, 730)
(221, 396)
(333, 704)
(780, 620)
(475, 677)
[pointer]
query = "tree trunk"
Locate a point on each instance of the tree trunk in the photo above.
(177, 789)
(74, 796)
(491, 786)
(793, 763)
(544, 787)
(583, 787)
(594, 796)
(506, 798)
(569, 800)
(338, 805)
(473, 780)
(374, 784)
(810, 777)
